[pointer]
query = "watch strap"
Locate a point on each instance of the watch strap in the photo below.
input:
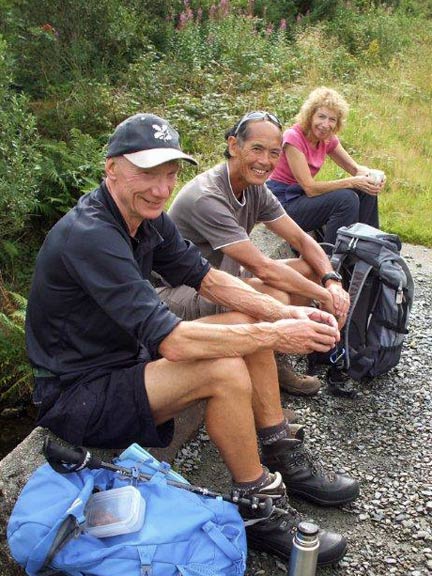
(331, 276)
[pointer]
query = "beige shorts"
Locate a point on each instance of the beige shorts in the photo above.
(186, 303)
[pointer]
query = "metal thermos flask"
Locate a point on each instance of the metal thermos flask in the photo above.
(304, 553)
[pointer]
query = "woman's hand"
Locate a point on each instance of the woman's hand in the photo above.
(366, 184)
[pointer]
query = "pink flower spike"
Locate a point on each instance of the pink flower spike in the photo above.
(182, 21)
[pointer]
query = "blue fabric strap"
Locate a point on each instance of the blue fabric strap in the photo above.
(146, 554)
(217, 536)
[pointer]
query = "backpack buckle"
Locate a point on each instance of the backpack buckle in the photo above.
(337, 356)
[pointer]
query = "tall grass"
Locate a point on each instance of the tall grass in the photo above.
(390, 127)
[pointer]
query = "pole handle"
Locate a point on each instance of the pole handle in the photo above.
(66, 460)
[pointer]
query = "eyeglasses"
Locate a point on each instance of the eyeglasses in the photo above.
(259, 115)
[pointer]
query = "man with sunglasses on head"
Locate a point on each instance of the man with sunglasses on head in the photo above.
(113, 365)
(217, 211)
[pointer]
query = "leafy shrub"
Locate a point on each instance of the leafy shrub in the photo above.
(67, 171)
(293, 10)
(58, 42)
(19, 159)
(373, 34)
(92, 107)
(321, 58)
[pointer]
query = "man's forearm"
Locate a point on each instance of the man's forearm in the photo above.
(234, 294)
(315, 256)
(197, 340)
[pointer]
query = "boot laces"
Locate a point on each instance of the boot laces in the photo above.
(303, 456)
(286, 517)
(289, 517)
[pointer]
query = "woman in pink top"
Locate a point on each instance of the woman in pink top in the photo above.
(306, 145)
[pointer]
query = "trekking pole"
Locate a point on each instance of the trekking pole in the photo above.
(65, 460)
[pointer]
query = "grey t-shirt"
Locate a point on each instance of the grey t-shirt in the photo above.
(207, 213)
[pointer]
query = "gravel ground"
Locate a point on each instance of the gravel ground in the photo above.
(384, 439)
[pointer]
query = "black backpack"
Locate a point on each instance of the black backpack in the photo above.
(381, 289)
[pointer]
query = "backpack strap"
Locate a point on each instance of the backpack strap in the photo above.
(67, 530)
(61, 533)
(359, 275)
(337, 259)
(218, 537)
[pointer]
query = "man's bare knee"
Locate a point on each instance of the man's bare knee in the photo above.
(303, 267)
(230, 377)
(173, 386)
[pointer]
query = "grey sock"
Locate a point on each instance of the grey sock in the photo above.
(272, 434)
(254, 486)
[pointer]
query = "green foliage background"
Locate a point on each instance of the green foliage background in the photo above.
(70, 70)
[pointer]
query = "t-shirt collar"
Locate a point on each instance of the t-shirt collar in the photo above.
(234, 197)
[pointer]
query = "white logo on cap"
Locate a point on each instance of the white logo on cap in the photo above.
(161, 132)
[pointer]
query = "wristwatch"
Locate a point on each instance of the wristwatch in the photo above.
(331, 276)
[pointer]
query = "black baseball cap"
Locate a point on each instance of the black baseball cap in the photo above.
(146, 140)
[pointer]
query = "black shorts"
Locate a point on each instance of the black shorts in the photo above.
(107, 411)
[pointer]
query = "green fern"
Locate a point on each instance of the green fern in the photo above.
(16, 379)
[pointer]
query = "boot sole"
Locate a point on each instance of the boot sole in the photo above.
(321, 501)
(300, 392)
(260, 546)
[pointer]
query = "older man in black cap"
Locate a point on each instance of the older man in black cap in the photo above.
(113, 365)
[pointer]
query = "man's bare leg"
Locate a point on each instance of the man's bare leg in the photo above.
(288, 379)
(225, 385)
(266, 401)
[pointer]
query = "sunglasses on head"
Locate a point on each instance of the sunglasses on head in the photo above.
(259, 115)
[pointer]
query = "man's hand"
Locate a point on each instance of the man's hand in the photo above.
(341, 301)
(306, 336)
(308, 312)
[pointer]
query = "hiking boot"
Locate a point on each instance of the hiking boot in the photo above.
(290, 415)
(316, 361)
(297, 385)
(304, 475)
(271, 528)
(339, 383)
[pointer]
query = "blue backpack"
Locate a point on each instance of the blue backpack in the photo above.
(183, 533)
